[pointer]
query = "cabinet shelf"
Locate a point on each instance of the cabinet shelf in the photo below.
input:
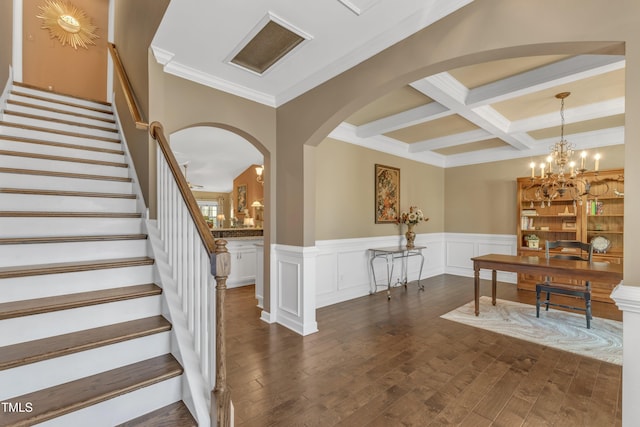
(553, 230)
(582, 219)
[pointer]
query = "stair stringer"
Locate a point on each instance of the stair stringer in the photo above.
(196, 390)
(133, 174)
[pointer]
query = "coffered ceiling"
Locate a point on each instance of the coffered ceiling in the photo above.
(498, 110)
(486, 112)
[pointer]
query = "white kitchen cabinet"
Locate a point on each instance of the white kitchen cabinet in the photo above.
(243, 262)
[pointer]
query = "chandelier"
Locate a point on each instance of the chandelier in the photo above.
(559, 174)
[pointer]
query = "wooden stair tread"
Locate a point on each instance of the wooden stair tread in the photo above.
(9, 310)
(50, 214)
(59, 121)
(72, 267)
(59, 132)
(31, 86)
(64, 174)
(59, 111)
(35, 192)
(61, 158)
(60, 144)
(74, 342)
(174, 415)
(72, 396)
(70, 239)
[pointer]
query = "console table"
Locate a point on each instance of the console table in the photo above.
(390, 254)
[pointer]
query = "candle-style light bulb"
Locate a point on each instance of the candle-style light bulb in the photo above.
(583, 156)
(541, 170)
(532, 165)
(572, 165)
(597, 165)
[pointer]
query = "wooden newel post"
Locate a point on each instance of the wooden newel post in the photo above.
(221, 393)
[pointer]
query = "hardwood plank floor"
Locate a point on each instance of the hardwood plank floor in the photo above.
(397, 363)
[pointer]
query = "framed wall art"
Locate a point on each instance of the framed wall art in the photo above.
(242, 198)
(387, 194)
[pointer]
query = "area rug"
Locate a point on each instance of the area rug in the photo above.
(557, 329)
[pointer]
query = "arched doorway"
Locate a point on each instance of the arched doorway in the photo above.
(225, 172)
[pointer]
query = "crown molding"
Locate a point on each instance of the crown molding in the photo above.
(165, 58)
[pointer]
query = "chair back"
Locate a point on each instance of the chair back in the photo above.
(584, 252)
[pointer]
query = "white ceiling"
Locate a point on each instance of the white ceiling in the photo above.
(482, 113)
(196, 39)
(214, 156)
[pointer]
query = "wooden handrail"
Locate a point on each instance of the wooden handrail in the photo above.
(157, 133)
(219, 257)
(126, 88)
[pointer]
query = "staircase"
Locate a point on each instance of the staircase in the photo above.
(82, 337)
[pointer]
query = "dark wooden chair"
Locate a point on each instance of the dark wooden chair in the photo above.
(576, 250)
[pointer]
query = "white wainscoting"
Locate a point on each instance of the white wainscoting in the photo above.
(344, 272)
(333, 271)
(461, 247)
(627, 298)
(295, 281)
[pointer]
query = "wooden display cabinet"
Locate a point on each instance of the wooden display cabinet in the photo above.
(598, 213)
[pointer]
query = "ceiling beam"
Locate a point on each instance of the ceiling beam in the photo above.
(597, 110)
(561, 72)
(448, 91)
(414, 116)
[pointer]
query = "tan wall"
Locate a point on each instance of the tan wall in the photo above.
(178, 104)
(482, 198)
(46, 63)
(135, 25)
(6, 41)
(482, 31)
(345, 191)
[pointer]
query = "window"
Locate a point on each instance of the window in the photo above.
(209, 210)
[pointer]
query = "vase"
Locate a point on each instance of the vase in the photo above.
(410, 235)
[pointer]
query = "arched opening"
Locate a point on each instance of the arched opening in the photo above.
(226, 173)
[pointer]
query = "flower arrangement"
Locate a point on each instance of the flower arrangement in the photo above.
(413, 217)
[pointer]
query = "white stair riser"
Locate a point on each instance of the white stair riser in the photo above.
(46, 227)
(48, 373)
(49, 136)
(44, 182)
(46, 253)
(60, 115)
(47, 124)
(56, 98)
(123, 408)
(28, 202)
(47, 285)
(52, 150)
(103, 113)
(62, 166)
(37, 326)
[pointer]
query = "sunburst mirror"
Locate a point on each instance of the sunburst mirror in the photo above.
(67, 23)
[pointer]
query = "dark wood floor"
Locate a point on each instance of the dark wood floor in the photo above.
(397, 363)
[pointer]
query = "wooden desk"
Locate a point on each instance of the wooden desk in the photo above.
(595, 271)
